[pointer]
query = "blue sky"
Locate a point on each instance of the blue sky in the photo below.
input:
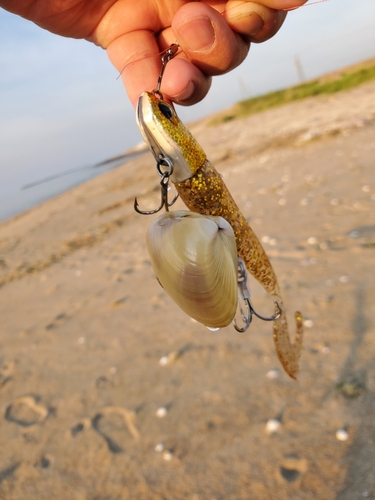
(61, 106)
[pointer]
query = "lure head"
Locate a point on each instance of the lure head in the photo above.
(167, 136)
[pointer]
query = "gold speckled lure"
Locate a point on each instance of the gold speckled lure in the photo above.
(203, 190)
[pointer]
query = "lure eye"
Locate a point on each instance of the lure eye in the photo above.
(166, 110)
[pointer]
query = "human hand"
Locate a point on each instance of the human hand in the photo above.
(214, 36)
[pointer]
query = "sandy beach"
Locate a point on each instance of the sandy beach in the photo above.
(109, 392)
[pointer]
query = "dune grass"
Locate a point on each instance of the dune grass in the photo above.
(328, 84)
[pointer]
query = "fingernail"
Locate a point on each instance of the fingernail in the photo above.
(257, 23)
(185, 94)
(246, 20)
(197, 33)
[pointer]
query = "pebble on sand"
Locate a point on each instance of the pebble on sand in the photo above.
(312, 240)
(344, 279)
(161, 412)
(342, 435)
(272, 425)
(272, 374)
(167, 455)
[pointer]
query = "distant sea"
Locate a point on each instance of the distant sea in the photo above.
(44, 189)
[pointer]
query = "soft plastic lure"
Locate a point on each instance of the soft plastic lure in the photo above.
(203, 190)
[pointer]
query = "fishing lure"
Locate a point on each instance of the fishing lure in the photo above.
(181, 159)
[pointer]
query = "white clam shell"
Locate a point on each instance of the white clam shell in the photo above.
(194, 258)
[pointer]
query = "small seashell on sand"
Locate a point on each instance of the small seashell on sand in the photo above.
(272, 425)
(344, 279)
(159, 448)
(312, 240)
(354, 234)
(169, 358)
(167, 455)
(272, 374)
(342, 435)
(308, 323)
(161, 412)
(163, 361)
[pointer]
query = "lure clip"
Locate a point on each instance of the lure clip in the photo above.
(165, 58)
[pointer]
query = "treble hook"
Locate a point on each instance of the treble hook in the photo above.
(164, 188)
(244, 295)
(165, 58)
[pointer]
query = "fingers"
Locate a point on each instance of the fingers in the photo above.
(207, 40)
(137, 57)
(243, 17)
(214, 39)
(187, 78)
(184, 83)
